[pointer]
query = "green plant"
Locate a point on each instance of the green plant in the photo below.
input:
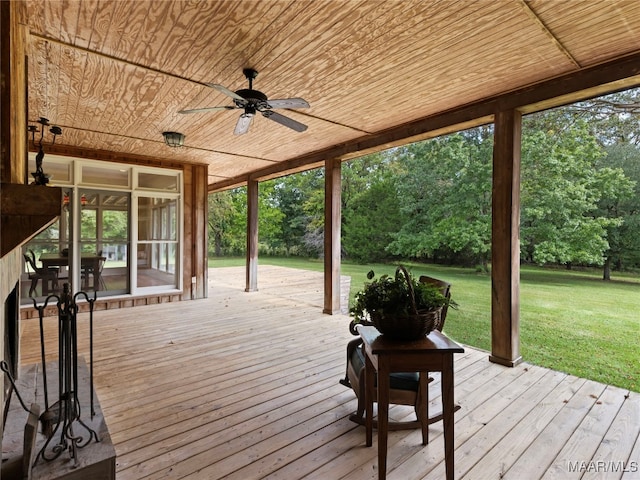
(392, 295)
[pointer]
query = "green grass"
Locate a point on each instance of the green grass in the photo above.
(570, 321)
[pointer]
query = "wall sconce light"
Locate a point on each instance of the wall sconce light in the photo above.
(173, 139)
(41, 178)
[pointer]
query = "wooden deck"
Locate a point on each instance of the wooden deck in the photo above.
(245, 385)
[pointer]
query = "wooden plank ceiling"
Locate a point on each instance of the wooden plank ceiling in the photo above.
(114, 74)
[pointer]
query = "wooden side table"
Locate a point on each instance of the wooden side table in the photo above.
(434, 353)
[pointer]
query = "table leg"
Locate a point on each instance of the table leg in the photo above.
(383, 418)
(447, 413)
(422, 410)
(369, 392)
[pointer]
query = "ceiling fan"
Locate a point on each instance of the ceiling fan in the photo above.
(253, 101)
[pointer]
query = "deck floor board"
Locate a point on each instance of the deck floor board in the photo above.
(244, 385)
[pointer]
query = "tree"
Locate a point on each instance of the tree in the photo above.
(445, 195)
(624, 238)
(370, 221)
(299, 198)
(370, 207)
(220, 219)
(562, 186)
(612, 119)
(270, 217)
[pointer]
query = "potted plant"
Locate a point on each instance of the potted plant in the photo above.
(399, 306)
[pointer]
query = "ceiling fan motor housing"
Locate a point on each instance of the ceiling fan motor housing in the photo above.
(254, 97)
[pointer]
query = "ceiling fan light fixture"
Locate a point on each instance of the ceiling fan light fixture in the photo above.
(173, 139)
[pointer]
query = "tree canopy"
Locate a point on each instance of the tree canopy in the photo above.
(431, 200)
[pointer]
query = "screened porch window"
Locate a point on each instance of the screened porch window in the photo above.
(118, 233)
(157, 241)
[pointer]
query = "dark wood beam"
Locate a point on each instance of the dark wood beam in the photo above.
(26, 211)
(252, 237)
(13, 92)
(332, 232)
(505, 240)
(575, 86)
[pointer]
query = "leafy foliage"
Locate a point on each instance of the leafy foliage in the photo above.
(445, 187)
(372, 213)
(391, 295)
(561, 188)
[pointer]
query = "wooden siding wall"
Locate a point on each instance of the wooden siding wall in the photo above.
(10, 268)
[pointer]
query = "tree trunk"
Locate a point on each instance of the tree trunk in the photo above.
(218, 245)
(606, 271)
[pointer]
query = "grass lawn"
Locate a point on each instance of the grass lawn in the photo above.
(570, 321)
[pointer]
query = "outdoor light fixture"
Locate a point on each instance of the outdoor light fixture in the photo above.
(41, 178)
(173, 139)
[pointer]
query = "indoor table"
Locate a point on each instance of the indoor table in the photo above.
(89, 263)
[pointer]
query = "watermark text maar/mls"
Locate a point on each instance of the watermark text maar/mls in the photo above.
(601, 466)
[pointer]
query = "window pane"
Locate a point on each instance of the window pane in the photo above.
(157, 264)
(45, 248)
(157, 218)
(59, 173)
(116, 225)
(88, 224)
(104, 241)
(158, 182)
(105, 176)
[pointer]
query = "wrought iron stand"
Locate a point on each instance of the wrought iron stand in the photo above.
(58, 420)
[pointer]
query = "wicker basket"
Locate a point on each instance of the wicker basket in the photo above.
(407, 327)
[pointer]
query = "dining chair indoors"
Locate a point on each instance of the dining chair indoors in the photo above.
(47, 276)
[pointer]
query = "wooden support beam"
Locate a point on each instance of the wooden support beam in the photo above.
(332, 245)
(201, 272)
(505, 244)
(252, 236)
(26, 211)
(195, 271)
(13, 92)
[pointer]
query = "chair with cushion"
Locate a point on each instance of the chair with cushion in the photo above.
(410, 388)
(47, 275)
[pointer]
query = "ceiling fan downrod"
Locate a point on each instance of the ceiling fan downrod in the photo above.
(250, 74)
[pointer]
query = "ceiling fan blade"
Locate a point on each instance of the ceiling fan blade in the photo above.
(288, 103)
(228, 92)
(243, 124)
(206, 109)
(286, 121)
